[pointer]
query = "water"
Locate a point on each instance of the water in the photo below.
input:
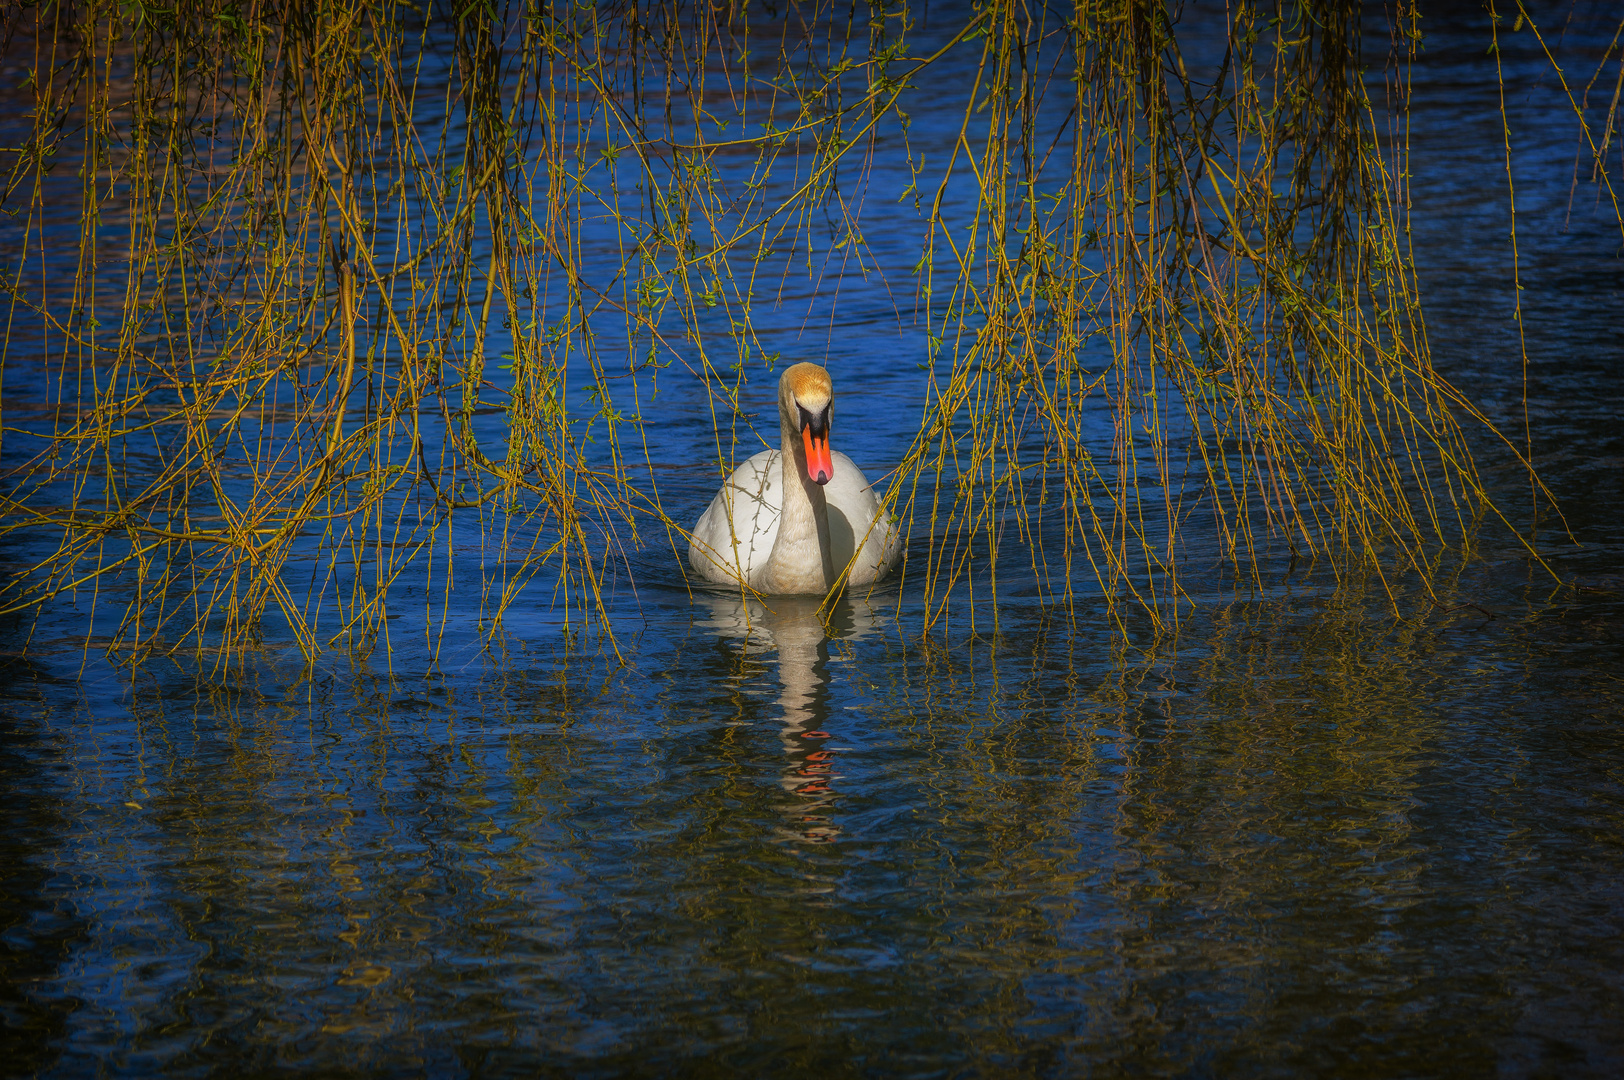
(1309, 838)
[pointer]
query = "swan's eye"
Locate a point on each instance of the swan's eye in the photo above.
(817, 423)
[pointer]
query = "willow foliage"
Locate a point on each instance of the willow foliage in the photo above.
(304, 297)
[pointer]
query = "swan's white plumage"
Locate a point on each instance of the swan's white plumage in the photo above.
(739, 538)
(754, 495)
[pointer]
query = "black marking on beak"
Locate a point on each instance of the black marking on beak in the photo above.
(817, 423)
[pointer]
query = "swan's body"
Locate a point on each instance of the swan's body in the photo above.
(791, 520)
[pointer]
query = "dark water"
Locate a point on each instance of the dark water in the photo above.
(1311, 838)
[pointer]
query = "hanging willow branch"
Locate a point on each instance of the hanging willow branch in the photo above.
(303, 298)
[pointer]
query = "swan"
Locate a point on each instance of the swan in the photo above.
(789, 520)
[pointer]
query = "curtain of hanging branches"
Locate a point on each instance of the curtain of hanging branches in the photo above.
(305, 298)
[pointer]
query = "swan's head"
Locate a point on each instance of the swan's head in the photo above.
(806, 401)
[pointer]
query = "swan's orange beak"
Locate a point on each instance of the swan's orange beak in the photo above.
(820, 464)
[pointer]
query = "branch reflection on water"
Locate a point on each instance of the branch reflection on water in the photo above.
(795, 628)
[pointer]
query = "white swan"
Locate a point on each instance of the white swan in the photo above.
(789, 520)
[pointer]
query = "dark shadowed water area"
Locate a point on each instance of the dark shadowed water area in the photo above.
(1310, 837)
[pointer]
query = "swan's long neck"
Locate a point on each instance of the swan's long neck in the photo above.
(801, 560)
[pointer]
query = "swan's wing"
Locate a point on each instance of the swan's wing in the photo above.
(735, 534)
(866, 523)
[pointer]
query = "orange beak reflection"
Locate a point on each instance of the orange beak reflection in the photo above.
(820, 464)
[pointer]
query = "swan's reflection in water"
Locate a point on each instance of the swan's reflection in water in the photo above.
(793, 627)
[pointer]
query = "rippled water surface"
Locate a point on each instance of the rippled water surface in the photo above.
(1309, 838)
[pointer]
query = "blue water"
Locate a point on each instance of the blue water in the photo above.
(1316, 834)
